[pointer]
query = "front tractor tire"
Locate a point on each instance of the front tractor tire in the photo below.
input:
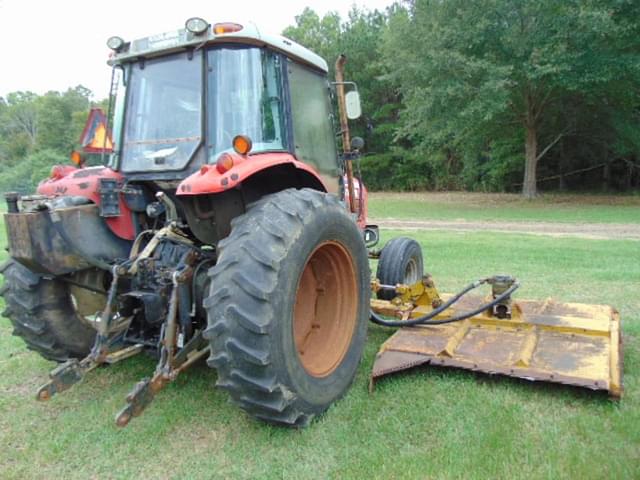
(288, 306)
(44, 315)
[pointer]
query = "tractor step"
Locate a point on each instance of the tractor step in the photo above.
(569, 343)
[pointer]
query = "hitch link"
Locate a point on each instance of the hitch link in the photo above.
(106, 349)
(145, 390)
(171, 364)
(63, 378)
(139, 398)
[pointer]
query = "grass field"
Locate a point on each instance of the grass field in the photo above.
(505, 207)
(428, 423)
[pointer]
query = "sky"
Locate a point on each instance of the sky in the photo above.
(56, 44)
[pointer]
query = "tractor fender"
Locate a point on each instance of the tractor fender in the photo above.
(85, 182)
(209, 180)
(63, 239)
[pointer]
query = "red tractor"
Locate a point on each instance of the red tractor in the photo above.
(217, 228)
(226, 225)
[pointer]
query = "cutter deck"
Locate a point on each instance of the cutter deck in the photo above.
(569, 343)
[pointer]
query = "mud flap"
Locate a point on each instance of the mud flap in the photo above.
(569, 343)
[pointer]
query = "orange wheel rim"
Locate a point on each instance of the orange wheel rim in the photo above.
(324, 315)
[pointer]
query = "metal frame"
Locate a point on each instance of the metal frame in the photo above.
(569, 343)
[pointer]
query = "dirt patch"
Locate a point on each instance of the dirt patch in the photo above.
(494, 199)
(601, 231)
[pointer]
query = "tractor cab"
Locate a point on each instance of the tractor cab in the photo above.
(182, 98)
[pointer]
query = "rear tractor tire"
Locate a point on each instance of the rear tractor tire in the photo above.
(288, 306)
(400, 262)
(44, 314)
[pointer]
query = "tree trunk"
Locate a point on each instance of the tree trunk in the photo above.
(606, 177)
(529, 186)
(562, 183)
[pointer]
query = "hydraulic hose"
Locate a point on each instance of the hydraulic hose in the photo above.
(427, 319)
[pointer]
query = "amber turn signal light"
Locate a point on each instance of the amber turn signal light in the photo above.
(226, 27)
(77, 159)
(242, 144)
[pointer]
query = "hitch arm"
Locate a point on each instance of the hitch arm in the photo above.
(145, 390)
(107, 348)
(64, 377)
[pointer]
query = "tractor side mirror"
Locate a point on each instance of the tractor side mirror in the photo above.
(352, 104)
(357, 143)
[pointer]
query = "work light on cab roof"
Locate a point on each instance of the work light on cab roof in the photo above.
(196, 25)
(115, 43)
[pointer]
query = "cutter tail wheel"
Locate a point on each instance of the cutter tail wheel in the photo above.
(400, 263)
(288, 306)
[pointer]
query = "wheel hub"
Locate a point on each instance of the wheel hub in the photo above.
(325, 310)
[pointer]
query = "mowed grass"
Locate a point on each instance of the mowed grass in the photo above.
(505, 207)
(427, 423)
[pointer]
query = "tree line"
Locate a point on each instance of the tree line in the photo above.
(490, 95)
(37, 132)
(499, 95)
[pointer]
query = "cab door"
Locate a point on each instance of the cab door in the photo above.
(312, 121)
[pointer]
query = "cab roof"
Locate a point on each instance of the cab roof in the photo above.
(182, 39)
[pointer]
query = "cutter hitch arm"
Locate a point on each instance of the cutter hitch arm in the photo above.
(420, 303)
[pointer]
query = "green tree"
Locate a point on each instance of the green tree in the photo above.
(360, 38)
(320, 35)
(37, 132)
(25, 175)
(58, 124)
(22, 115)
(475, 74)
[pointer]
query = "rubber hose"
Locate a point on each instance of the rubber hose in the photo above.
(426, 319)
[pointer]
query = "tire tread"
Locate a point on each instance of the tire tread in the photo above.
(251, 257)
(40, 317)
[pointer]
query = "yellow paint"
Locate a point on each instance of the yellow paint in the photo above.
(100, 137)
(455, 339)
(577, 344)
(529, 346)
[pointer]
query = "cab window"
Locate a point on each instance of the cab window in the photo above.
(313, 135)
